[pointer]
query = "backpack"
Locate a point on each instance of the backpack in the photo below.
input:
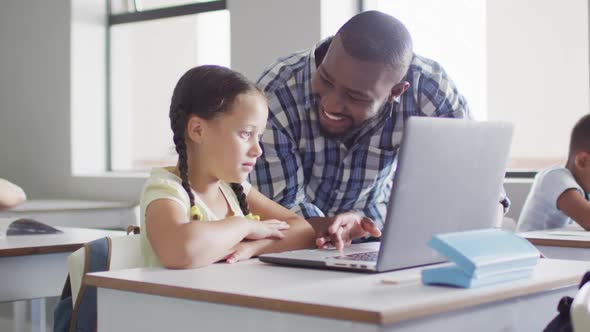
(82, 315)
(563, 321)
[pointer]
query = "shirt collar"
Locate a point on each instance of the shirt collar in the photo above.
(311, 69)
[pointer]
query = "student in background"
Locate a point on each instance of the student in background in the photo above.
(203, 210)
(11, 195)
(560, 194)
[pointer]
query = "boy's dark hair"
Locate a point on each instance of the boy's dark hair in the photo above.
(377, 37)
(206, 91)
(580, 138)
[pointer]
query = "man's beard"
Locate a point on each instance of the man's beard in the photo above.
(316, 108)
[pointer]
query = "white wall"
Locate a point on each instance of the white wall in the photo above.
(87, 87)
(34, 94)
(263, 30)
(538, 76)
(543, 101)
(38, 87)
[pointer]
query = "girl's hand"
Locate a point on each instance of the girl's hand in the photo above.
(270, 228)
(242, 251)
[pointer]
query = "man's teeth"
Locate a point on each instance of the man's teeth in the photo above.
(333, 117)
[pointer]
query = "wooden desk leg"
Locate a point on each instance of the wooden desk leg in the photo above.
(38, 315)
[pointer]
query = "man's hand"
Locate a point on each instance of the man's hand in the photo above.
(341, 229)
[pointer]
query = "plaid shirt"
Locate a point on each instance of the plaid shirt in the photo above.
(318, 176)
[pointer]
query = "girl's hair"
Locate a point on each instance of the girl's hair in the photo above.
(206, 91)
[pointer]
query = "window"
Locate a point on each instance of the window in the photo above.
(528, 67)
(131, 6)
(150, 46)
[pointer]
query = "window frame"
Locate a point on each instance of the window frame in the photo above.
(167, 12)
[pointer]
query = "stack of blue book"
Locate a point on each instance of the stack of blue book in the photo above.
(481, 257)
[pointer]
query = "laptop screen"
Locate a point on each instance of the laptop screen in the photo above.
(448, 179)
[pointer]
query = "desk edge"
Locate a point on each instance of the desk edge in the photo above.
(324, 311)
(559, 242)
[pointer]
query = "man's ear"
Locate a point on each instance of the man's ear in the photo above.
(397, 90)
(195, 129)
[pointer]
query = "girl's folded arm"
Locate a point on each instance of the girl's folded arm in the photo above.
(179, 243)
(300, 235)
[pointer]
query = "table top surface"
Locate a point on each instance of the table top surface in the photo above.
(68, 241)
(570, 236)
(382, 298)
(53, 205)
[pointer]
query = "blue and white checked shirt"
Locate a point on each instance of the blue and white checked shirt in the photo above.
(318, 176)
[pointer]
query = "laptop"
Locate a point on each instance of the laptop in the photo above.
(448, 178)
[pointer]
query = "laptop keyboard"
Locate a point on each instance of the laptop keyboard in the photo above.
(363, 256)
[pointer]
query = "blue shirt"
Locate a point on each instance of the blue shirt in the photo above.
(314, 175)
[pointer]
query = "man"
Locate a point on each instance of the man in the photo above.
(336, 120)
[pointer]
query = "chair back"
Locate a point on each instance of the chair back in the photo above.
(124, 253)
(580, 309)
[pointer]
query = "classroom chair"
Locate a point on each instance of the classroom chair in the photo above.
(77, 307)
(125, 253)
(580, 309)
(573, 313)
(508, 224)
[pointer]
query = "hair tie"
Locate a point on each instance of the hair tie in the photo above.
(252, 216)
(195, 211)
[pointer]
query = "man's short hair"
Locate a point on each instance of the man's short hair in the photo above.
(580, 139)
(377, 37)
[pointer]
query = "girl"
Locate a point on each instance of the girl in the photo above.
(202, 210)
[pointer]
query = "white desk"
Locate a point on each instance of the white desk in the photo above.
(33, 267)
(571, 242)
(253, 296)
(77, 213)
